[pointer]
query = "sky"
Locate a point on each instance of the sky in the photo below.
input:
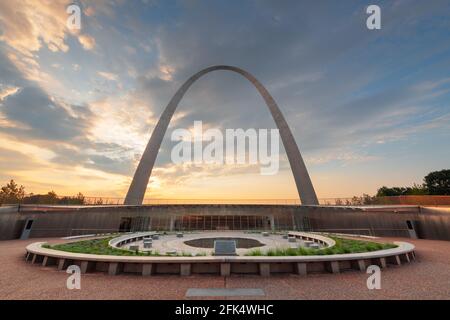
(367, 107)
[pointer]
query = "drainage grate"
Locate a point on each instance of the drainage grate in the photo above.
(223, 292)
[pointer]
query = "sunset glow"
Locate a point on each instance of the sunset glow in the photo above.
(77, 107)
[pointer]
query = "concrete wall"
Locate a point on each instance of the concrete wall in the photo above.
(374, 221)
(431, 223)
(434, 223)
(11, 222)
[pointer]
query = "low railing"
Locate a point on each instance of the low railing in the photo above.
(372, 232)
(355, 231)
(346, 201)
(70, 232)
(79, 232)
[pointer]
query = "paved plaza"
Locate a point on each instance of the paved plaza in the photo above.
(426, 278)
(173, 243)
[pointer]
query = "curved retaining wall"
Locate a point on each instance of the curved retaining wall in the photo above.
(223, 265)
(181, 244)
(325, 241)
(128, 238)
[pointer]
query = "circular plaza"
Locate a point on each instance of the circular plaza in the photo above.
(221, 253)
(202, 243)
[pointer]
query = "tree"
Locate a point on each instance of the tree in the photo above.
(418, 190)
(12, 193)
(77, 200)
(392, 192)
(438, 182)
(49, 198)
(402, 191)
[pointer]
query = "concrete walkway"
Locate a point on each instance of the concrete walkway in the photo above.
(427, 278)
(171, 242)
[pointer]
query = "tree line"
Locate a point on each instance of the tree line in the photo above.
(434, 183)
(12, 193)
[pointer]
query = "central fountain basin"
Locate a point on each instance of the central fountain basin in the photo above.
(241, 243)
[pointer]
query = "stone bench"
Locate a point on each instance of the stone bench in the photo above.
(147, 243)
(134, 248)
(314, 246)
(224, 265)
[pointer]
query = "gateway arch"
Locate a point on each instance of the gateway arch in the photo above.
(138, 186)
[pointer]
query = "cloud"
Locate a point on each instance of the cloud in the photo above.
(26, 25)
(345, 158)
(343, 90)
(5, 92)
(31, 28)
(108, 75)
(14, 162)
(107, 164)
(86, 41)
(42, 117)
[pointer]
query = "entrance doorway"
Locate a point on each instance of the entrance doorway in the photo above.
(222, 222)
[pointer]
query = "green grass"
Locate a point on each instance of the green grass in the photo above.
(94, 246)
(98, 246)
(342, 246)
(101, 247)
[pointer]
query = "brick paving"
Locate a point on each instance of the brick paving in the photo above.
(426, 278)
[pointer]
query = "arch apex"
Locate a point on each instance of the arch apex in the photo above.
(138, 187)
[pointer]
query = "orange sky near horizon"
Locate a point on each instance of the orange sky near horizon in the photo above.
(77, 106)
